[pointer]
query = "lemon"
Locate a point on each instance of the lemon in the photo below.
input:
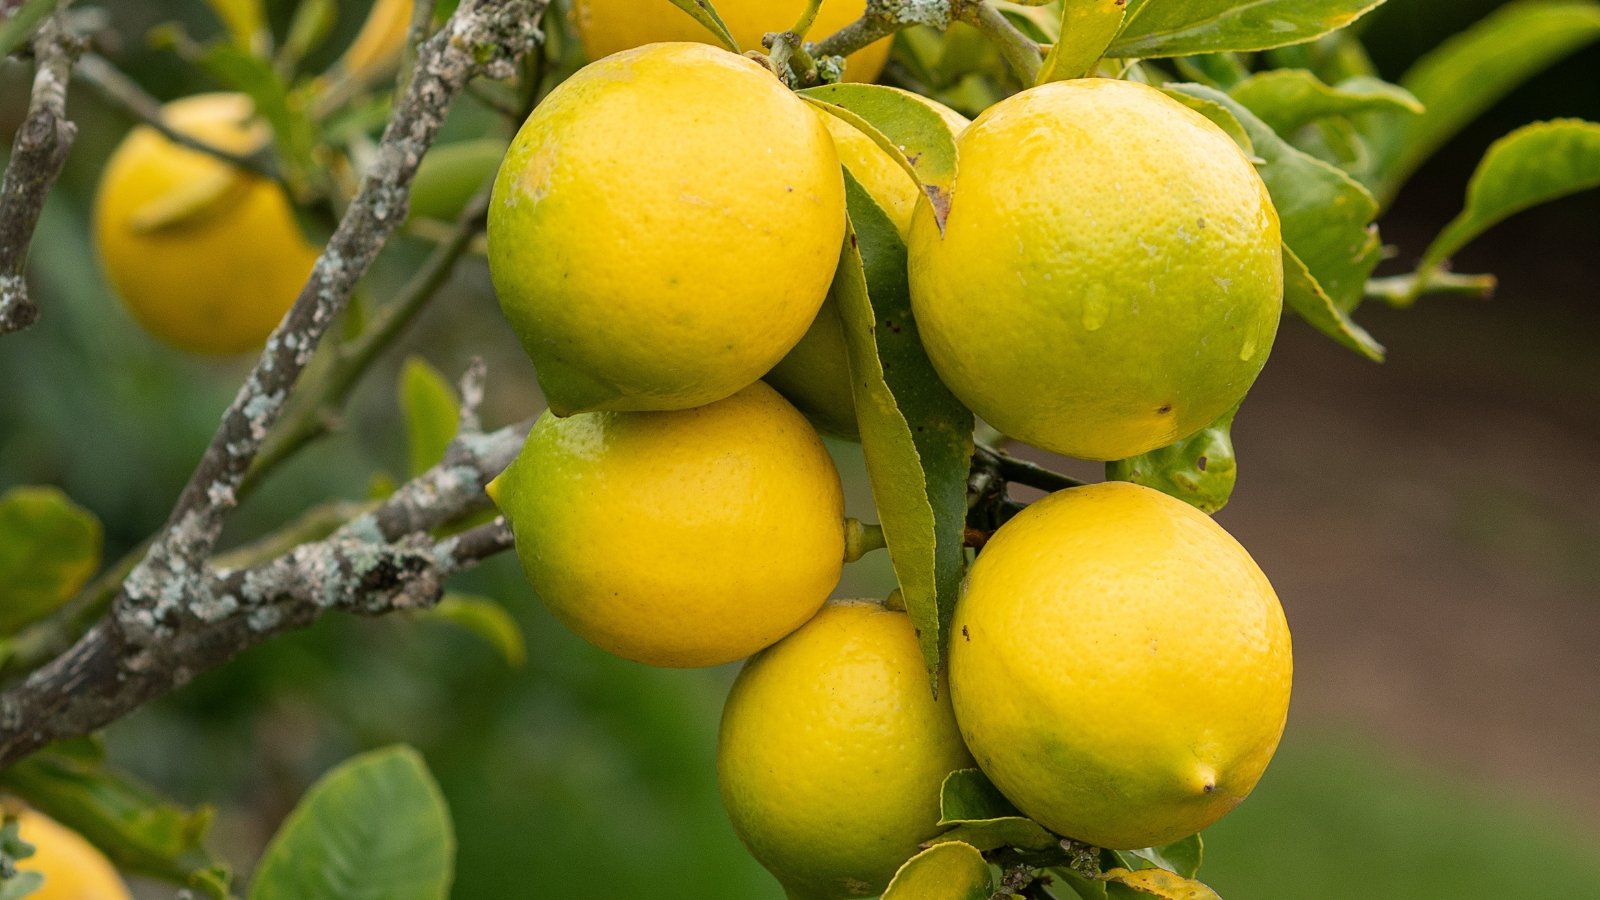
(1110, 278)
(687, 538)
(1120, 666)
(607, 26)
(206, 257)
(72, 868)
(815, 375)
(833, 750)
(664, 229)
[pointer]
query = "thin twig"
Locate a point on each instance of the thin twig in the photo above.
(37, 156)
(125, 94)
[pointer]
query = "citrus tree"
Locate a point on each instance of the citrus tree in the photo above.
(1073, 225)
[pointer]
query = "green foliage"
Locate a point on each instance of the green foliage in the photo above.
(1182, 857)
(1086, 30)
(141, 831)
(486, 619)
(13, 848)
(952, 871)
(1289, 99)
(450, 176)
(432, 413)
(375, 826)
(910, 131)
(978, 814)
(49, 546)
(1155, 28)
(1154, 883)
(1199, 470)
(916, 436)
(704, 12)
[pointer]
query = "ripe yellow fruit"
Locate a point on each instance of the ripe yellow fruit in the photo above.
(206, 257)
(72, 868)
(833, 750)
(1120, 666)
(664, 229)
(375, 52)
(1110, 278)
(687, 538)
(815, 375)
(607, 26)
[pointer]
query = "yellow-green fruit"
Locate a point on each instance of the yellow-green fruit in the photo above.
(72, 868)
(1120, 666)
(607, 26)
(1110, 277)
(687, 538)
(206, 257)
(833, 750)
(664, 229)
(885, 179)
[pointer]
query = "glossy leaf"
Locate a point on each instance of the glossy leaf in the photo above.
(49, 546)
(432, 414)
(485, 619)
(952, 871)
(1305, 296)
(452, 174)
(1155, 28)
(375, 826)
(1326, 215)
(1181, 857)
(1008, 831)
(1288, 99)
(917, 438)
(1200, 470)
(704, 12)
(1470, 73)
(139, 830)
(1156, 883)
(1532, 165)
(1087, 27)
(908, 129)
(967, 795)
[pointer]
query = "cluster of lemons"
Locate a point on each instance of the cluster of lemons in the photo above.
(663, 233)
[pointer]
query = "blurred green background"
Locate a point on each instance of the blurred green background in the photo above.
(1430, 525)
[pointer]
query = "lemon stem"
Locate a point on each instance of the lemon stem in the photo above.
(861, 538)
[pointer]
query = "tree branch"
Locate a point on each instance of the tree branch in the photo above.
(37, 156)
(882, 19)
(379, 562)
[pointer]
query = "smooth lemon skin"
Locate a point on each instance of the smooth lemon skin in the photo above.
(664, 229)
(72, 868)
(608, 26)
(1110, 279)
(1120, 666)
(688, 538)
(833, 750)
(219, 279)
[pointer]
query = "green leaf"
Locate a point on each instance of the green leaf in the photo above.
(49, 546)
(705, 13)
(1288, 99)
(1534, 164)
(246, 22)
(450, 175)
(1470, 73)
(1305, 296)
(375, 826)
(1087, 27)
(1326, 215)
(1156, 28)
(22, 884)
(1181, 857)
(312, 23)
(293, 132)
(916, 436)
(431, 411)
(1086, 888)
(967, 795)
(1219, 116)
(1200, 470)
(952, 871)
(139, 830)
(1156, 883)
(21, 22)
(486, 619)
(909, 130)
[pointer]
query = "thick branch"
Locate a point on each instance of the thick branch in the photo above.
(481, 37)
(377, 563)
(37, 155)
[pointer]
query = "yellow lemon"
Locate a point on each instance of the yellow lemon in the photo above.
(1120, 666)
(686, 538)
(607, 26)
(833, 750)
(72, 868)
(664, 229)
(815, 375)
(206, 257)
(1110, 277)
